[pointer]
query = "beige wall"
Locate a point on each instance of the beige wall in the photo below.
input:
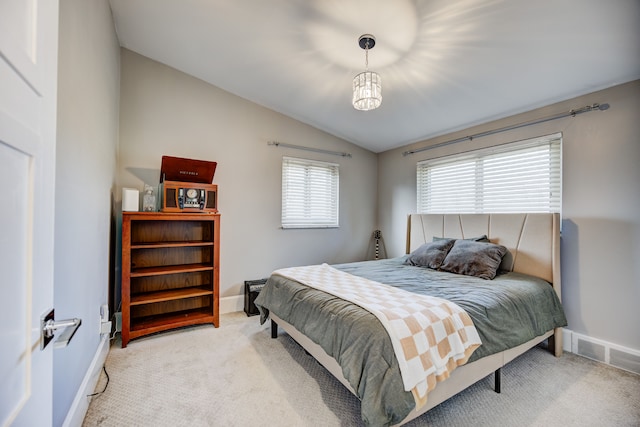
(165, 112)
(600, 205)
(87, 137)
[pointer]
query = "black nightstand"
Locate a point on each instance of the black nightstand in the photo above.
(251, 290)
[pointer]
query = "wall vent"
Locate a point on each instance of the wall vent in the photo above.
(591, 350)
(627, 361)
(603, 351)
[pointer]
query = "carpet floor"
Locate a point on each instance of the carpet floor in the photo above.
(236, 375)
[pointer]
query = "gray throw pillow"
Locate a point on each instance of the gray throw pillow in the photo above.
(430, 254)
(473, 258)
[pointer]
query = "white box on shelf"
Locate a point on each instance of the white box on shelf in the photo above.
(130, 199)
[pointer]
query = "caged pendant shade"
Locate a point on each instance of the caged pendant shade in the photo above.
(367, 86)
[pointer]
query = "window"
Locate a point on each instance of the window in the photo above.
(523, 176)
(309, 193)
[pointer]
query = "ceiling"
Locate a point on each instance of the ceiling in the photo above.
(445, 64)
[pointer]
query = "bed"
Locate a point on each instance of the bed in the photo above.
(517, 309)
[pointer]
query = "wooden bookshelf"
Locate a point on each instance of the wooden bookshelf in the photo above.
(170, 271)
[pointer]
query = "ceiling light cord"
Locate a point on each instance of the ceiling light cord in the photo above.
(366, 55)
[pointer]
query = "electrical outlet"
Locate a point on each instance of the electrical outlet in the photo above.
(105, 328)
(104, 312)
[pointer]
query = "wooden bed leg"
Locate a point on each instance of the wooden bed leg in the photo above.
(498, 380)
(555, 342)
(274, 329)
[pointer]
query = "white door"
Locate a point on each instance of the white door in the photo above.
(28, 80)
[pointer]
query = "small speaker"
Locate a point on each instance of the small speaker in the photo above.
(211, 200)
(171, 198)
(130, 200)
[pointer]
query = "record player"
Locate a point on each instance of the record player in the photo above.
(186, 185)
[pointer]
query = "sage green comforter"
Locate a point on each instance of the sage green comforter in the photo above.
(507, 311)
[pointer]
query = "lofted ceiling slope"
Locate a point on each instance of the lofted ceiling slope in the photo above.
(445, 64)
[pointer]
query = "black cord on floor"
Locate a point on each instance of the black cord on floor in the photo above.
(104, 368)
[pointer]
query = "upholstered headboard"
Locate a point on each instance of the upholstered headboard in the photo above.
(533, 239)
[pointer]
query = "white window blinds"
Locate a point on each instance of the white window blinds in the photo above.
(309, 193)
(523, 176)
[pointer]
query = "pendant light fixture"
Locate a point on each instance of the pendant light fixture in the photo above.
(367, 86)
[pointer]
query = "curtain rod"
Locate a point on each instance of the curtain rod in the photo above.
(571, 113)
(299, 147)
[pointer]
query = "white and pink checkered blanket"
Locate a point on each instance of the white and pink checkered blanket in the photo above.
(430, 336)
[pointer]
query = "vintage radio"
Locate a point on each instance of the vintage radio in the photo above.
(189, 197)
(185, 185)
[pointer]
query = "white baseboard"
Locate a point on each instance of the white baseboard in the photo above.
(566, 340)
(80, 404)
(602, 351)
(231, 304)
